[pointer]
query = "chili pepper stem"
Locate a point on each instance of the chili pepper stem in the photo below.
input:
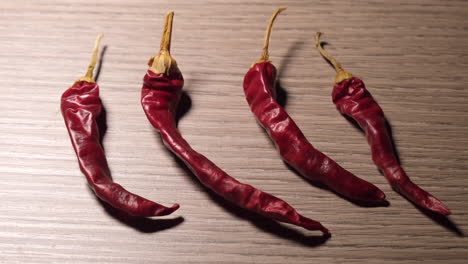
(163, 62)
(340, 73)
(266, 42)
(88, 77)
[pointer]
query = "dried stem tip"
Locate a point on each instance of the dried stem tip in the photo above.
(92, 64)
(167, 32)
(163, 62)
(341, 74)
(266, 42)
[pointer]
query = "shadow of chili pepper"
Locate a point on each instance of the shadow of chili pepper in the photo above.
(390, 134)
(102, 118)
(141, 224)
(353, 122)
(101, 121)
(281, 93)
(101, 59)
(185, 104)
(289, 56)
(442, 220)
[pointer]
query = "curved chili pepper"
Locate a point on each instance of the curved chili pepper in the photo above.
(160, 96)
(81, 106)
(292, 145)
(353, 99)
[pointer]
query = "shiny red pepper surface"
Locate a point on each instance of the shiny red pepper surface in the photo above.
(81, 107)
(353, 99)
(160, 96)
(294, 148)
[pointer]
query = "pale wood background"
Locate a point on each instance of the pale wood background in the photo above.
(412, 54)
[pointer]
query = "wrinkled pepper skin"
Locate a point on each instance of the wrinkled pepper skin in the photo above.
(159, 98)
(292, 145)
(353, 99)
(81, 106)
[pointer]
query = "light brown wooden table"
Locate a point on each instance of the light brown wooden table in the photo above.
(413, 56)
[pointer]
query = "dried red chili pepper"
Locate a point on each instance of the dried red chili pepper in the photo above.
(353, 99)
(259, 88)
(160, 96)
(81, 106)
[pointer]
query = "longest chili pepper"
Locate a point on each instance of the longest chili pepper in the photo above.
(353, 99)
(259, 88)
(81, 106)
(160, 96)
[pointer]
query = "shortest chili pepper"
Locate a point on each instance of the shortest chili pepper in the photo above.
(81, 107)
(160, 95)
(353, 99)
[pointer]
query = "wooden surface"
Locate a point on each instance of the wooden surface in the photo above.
(412, 55)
